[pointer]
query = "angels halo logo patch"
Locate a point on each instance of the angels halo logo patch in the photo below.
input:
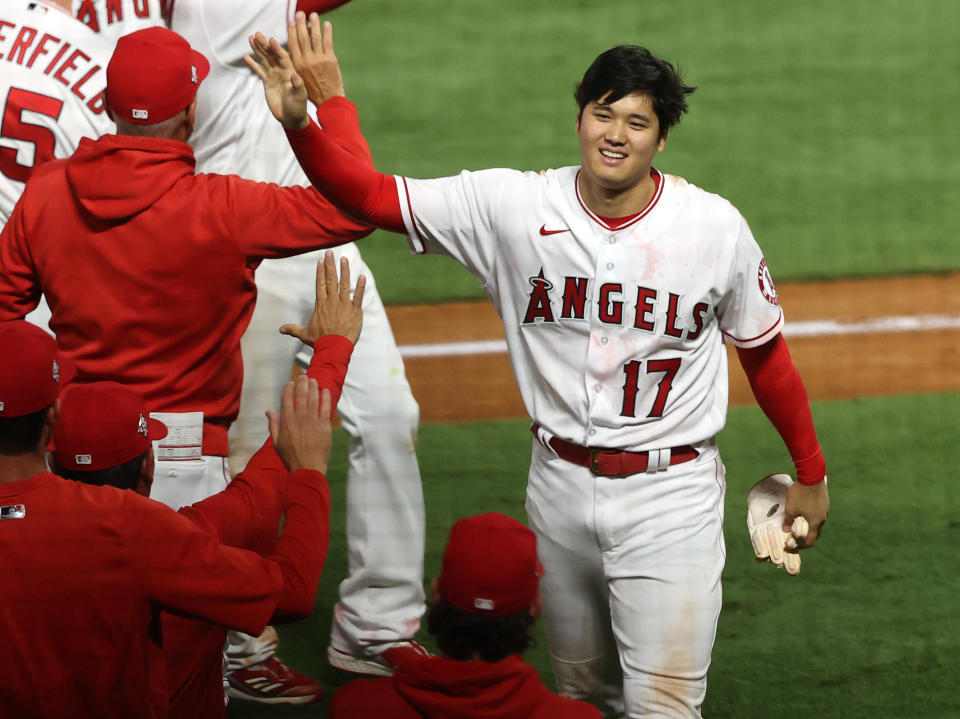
(766, 283)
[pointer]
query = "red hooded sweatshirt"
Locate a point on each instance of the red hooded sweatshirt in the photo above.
(148, 267)
(429, 687)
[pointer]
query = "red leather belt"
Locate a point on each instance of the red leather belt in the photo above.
(614, 463)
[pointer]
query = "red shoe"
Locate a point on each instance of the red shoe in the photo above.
(273, 682)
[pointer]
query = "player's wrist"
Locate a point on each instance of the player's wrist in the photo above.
(292, 124)
(811, 470)
(301, 132)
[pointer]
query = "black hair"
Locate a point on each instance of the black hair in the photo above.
(21, 435)
(627, 69)
(460, 635)
(123, 476)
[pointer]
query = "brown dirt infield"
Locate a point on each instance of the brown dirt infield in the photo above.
(463, 388)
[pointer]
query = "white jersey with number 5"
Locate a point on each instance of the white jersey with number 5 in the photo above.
(615, 335)
(51, 91)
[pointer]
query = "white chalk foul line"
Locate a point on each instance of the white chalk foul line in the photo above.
(454, 348)
(816, 328)
(908, 323)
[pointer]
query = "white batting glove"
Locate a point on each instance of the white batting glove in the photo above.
(766, 503)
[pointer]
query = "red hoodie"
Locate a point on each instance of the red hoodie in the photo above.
(425, 687)
(148, 267)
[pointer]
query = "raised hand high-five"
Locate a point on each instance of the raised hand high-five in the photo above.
(283, 88)
(302, 433)
(311, 50)
(334, 312)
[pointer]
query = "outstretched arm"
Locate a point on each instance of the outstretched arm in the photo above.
(320, 6)
(779, 391)
(355, 188)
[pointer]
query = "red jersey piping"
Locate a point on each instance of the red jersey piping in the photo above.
(413, 219)
(759, 336)
(643, 213)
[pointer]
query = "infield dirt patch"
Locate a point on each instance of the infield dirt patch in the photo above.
(460, 388)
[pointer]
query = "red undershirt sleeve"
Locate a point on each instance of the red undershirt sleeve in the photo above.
(302, 549)
(779, 391)
(307, 525)
(319, 6)
(331, 355)
(354, 187)
(338, 118)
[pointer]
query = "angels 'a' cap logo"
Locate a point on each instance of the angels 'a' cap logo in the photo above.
(766, 283)
(142, 426)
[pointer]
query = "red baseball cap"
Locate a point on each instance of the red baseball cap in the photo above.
(490, 566)
(102, 425)
(153, 75)
(32, 369)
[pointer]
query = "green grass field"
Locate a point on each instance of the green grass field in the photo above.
(832, 127)
(869, 628)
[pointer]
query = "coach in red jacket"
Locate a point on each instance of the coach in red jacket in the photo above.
(85, 569)
(148, 267)
(103, 437)
(483, 606)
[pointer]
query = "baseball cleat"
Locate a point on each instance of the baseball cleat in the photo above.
(273, 682)
(375, 666)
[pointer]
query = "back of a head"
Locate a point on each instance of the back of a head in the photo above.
(629, 69)
(32, 374)
(488, 585)
(103, 434)
(152, 79)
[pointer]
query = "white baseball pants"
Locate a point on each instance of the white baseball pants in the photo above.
(631, 581)
(178, 484)
(382, 599)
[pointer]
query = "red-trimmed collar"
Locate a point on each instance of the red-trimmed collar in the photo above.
(632, 219)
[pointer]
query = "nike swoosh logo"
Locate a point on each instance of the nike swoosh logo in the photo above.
(544, 231)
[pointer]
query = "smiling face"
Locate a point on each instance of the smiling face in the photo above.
(618, 142)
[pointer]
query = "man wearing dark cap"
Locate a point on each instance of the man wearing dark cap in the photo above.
(86, 569)
(483, 606)
(148, 267)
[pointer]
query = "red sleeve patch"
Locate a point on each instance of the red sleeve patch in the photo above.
(766, 283)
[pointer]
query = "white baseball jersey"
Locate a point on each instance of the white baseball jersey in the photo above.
(614, 334)
(115, 18)
(51, 90)
(235, 131)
